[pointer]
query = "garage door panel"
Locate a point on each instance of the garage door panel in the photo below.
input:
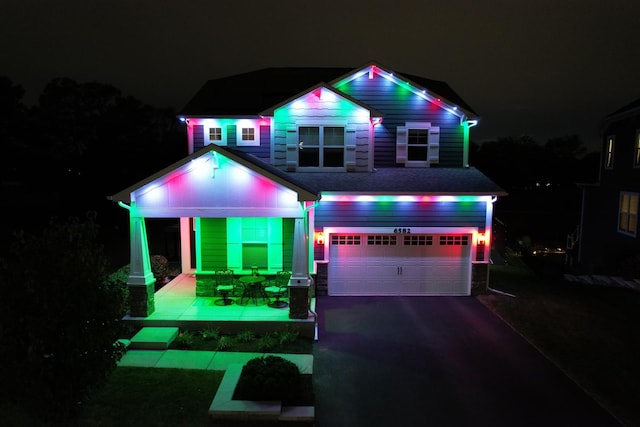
(399, 269)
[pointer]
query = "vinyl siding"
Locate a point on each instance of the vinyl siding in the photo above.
(399, 106)
(287, 242)
(262, 151)
(339, 113)
(213, 243)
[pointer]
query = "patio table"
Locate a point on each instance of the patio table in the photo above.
(252, 288)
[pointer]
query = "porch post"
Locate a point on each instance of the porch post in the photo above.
(141, 281)
(300, 282)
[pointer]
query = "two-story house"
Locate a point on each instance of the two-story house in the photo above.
(609, 243)
(357, 177)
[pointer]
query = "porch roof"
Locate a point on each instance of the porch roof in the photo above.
(436, 181)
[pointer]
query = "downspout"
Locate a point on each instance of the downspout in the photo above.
(468, 124)
(313, 283)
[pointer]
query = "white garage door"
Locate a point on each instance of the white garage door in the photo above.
(390, 264)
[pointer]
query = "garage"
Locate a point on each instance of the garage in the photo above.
(399, 264)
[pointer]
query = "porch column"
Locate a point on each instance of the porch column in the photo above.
(300, 282)
(141, 281)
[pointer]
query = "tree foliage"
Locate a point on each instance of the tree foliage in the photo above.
(60, 318)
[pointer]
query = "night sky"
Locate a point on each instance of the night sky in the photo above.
(540, 68)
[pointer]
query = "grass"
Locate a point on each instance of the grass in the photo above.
(181, 397)
(590, 332)
(153, 397)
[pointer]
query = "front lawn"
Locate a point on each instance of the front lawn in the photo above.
(153, 397)
(590, 332)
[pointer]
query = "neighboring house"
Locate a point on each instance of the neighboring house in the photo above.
(608, 242)
(358, 178)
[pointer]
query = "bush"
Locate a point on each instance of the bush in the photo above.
(246, 336)
(267, 343)
(225, 343)
(184, 340)
(268, 378)
(60, 319)
(160, 269)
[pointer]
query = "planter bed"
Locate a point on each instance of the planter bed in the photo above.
(224, 407)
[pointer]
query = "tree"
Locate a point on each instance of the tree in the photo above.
(60, 319)
(12, 123)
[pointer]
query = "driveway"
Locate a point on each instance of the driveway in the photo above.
(436, 361)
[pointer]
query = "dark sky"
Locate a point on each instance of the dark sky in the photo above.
(543, 68)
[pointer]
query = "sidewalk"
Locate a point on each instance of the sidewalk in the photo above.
(213, 360)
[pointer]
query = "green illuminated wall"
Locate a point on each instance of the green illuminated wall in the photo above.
(221, 242)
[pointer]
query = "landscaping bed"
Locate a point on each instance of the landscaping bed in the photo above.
(211, 339)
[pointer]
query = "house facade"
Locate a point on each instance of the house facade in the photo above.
(355, 180)
(609, 243)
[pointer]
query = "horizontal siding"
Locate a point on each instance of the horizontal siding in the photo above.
(213, 247)
(263, 151)
(324, 113)
(198, 137)
(383, 214)
(288, 225)
(399, 106)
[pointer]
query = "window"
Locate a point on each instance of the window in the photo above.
(454, 240)
(381, 240)
(628, 213)
(414, 240)
(321, 146)
(418, 141)
(248, 135)
(636, 154)
(418, 144)
(216, 134)
(608, 158)
(345, 239)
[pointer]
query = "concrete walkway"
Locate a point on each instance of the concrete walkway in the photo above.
(212, 360)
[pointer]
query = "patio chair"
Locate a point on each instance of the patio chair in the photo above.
(224, 284)
(277, 288)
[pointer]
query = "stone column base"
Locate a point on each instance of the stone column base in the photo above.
(479, 279)
(299, 301)
(142, 300)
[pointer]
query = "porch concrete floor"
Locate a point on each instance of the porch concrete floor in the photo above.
(177, 301)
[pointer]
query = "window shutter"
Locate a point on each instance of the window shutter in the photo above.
(350, 145)
(401, 144)
(292, 148)
(433, 155)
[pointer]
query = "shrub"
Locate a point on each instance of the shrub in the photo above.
(287, 336)
(160, 269)
(184, 340)
(268, 378)
(210, 334)
(60, 315)
(225, 343)
(267, 343)
(246, 336)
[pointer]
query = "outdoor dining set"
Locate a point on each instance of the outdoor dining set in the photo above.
(251, 288)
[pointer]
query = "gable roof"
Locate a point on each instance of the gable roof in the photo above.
(320, 86)
(305, 191)
(248, 94)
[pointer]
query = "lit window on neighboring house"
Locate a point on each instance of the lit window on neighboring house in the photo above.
(636, 154)
(628, 213)
(608, 160)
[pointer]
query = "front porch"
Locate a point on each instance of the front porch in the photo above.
(176, 304)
